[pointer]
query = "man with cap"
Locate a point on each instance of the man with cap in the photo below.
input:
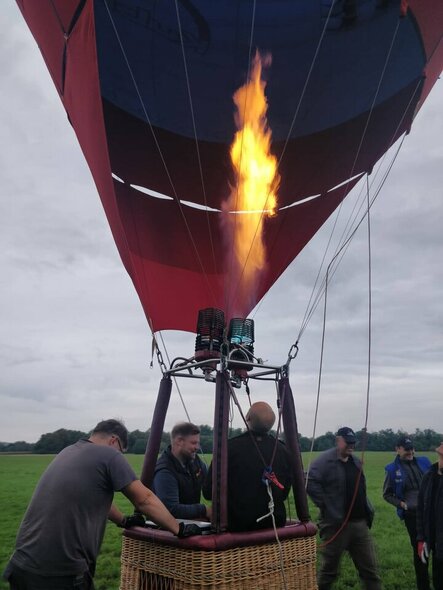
(336, 484)
(430, 519)
(400, 488)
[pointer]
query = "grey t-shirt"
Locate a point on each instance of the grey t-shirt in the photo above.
(63, 527)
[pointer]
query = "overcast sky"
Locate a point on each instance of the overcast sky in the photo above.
(74, 344)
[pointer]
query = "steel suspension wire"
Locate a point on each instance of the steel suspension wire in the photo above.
(349, 223)
(195, 132)
(320, 372)
(369, 366)
(175, 380)
(288, 135)
(350, 175)
(268, 487)
(341, 252)
(168, 174)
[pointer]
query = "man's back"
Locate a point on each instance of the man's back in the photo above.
(247, 494)
(63, 527)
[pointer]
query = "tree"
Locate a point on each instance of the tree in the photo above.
(54, 442)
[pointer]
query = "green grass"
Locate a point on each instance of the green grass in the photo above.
(20, 473)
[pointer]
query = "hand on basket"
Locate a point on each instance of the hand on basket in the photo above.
(188, 530)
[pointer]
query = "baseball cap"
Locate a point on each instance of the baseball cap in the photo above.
(406, 443)
(347, 433)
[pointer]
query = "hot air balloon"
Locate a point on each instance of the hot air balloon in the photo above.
(148, 88)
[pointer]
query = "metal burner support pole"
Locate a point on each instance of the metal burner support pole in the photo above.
(155, 436)
(220, 454)
(291, 438)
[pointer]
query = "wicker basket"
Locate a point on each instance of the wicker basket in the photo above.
(147, 565)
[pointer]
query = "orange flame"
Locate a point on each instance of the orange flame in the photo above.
(254, 196)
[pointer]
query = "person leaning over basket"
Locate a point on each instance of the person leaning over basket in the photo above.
(60, 536)
(336, 484)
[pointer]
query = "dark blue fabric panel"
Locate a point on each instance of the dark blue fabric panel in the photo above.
(217, 39)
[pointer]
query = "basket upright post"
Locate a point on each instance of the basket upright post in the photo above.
(155, 435)
(291, 437)
(220, 454)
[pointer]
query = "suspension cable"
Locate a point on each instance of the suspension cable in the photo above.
(342, 250)
(228, 283)
(308, 314)
(197, 148)
(369, 365)
(175, 379)
(297, 109)
(350, 175)
(270, 513)
(162, 158)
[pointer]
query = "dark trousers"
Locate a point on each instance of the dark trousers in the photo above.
(21, 580)
(437, 573)
(355, 539)
(421, 569)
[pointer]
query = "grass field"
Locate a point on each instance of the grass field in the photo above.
(20, 473)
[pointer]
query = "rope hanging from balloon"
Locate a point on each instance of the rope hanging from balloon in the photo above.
(364, 429)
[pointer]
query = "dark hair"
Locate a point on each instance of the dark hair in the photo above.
(113, 426)
(184, 429)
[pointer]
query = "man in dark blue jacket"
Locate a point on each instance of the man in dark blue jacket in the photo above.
(401, 485)
(179, 474)
(430, 519)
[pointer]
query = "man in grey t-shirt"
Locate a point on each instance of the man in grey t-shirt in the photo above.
(61, 533)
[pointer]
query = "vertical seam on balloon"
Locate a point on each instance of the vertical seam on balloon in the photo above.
(344, 237)
(314, 59)
(228, 301)
(195, 134)
(316, 300)
(148, 120)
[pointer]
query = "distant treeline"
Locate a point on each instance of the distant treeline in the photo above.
(383, 440)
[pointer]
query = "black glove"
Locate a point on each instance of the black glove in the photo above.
(136, 519)
(188, 530)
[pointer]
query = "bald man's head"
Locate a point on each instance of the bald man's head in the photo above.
(260, 417)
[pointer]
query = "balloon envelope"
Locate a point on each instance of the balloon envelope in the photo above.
(148, 89)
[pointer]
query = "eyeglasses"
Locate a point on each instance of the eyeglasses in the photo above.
(119, 443)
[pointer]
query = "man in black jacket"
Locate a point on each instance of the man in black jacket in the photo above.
(249, 456)
(179, 474)
(430, 519)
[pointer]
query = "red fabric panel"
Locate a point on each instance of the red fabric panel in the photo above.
(429, 16)
(46, 30)
(167, 249)
(223, 541)
(81, 98)
(168, 273)
(311, 164)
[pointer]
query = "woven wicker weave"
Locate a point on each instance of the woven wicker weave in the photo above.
(151, 566)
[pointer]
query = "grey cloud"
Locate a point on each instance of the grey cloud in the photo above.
(76, 345)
